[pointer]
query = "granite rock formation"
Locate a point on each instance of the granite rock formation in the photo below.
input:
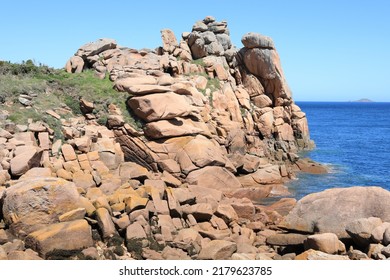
(219, 132)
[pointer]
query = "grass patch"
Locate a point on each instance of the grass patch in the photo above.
(55, 88)
(213, 84)
(199, 61)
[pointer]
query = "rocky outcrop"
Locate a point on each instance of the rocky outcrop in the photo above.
(243, 109)
(218, 131)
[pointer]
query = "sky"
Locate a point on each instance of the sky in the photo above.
(334, 50)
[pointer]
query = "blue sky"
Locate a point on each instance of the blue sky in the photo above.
(330, 50)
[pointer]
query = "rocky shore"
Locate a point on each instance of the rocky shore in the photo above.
(218, 132)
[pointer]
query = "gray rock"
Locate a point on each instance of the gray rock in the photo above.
(218, 27)
(230, 54)
(209, 19)
(96, 47)
(215, 48)
(25, 101)
(386, 237)
(198, 49)
(192, 37)
(361, 230)
(285, 239)
(225, 41)
(378, 232)
(386, 251)
(332, 209)
(208, 37)
(199, 26)
(260, 63)
(254, 40)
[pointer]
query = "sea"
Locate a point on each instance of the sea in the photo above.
(352, 139)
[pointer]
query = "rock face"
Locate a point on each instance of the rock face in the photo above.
(208, 131)
(333, 209)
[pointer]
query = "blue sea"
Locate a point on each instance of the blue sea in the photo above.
(353, 139)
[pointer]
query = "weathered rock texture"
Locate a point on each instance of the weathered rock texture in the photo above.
(218, 129)
(334, 209)
(207, 107)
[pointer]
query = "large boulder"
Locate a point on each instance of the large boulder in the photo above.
(34, 203)
(267, 175)
(333, 209)
(214, 177)
(361, 230)
(61, 238)
(74, 65)
(27, 159)
(204, 152)
(97, 47)
(169, 40)
(262, 60)
(254, 40)
(160, 106)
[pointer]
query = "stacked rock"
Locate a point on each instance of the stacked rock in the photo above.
(209, 37)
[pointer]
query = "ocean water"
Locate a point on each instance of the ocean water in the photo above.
(353, 139)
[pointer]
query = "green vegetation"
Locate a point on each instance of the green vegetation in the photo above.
(199, 61)
(53, 89)
(213, 84)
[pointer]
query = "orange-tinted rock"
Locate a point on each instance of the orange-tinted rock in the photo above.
(153, 107)
(24, 161)
(34, 203)
(68, 152)
(61, 237)
(214, 177)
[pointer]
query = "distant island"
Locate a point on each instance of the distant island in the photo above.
(364, 100)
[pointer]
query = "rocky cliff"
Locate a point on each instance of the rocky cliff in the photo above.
(208, 109)
(208, 131)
